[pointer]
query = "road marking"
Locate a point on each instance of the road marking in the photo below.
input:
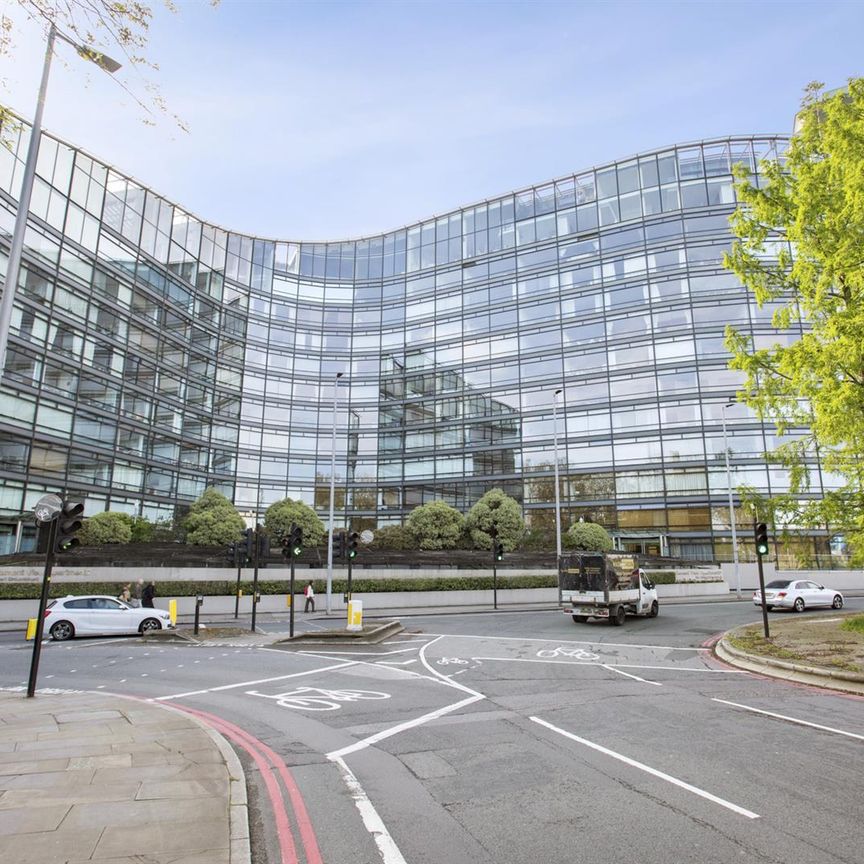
(791, 719)
(387, 847)
(402, 727)
(615, 665)
(341, 665)
(648, 769)
(439, 675)
(569, 642)
(628, 675)
(396, 662)
(318, 698)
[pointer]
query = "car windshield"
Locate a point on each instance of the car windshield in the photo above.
(779, 583)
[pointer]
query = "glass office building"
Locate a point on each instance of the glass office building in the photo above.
(153, 354)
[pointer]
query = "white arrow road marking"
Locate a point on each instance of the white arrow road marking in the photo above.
(648, 769)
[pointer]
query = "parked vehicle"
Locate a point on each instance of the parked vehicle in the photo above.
(100, 616)
(798, 595)
(609, 586)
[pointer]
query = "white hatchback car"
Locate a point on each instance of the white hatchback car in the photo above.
(100, 616)
(798, 594)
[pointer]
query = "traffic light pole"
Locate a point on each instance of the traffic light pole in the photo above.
(43, 602)
(255, 576)
(237, 587)
(291, 612)
(762, 594)
(495, 572)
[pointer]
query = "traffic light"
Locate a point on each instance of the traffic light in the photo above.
(249, 548)
(339, 545)
(263, 546)
(353, 540)
(761, 536)
(295, 537)
(499, 551)
(68, 524)
(231, 552)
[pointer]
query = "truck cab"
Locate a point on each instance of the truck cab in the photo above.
(605, 585)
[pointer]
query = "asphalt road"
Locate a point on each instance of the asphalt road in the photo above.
(503, 738)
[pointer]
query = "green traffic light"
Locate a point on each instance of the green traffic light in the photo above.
(297, 550)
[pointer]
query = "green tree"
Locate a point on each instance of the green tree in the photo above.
(436, 525)
(394, 537)
(498, 510)
(143, 530)
(105, 528)
(588, 537)
(811, 201)
(213, 521)
(279, 517)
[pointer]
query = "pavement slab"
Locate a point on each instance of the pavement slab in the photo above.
(78, 770)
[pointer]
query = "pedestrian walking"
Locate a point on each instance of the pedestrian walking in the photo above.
(125, 594)
(148, 594)
(137, 593)
(309, 592)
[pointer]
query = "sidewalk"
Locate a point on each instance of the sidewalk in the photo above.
(90, 777)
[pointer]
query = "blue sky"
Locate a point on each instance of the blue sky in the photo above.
(326, 120)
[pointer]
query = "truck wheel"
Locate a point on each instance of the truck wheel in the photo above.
(655, 610)
(617, 618)
(580, 619)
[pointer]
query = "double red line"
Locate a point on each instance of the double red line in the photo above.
(271, 766)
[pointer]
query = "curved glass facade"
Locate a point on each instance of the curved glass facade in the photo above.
(153, 354)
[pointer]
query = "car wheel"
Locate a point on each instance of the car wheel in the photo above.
(580, 619)
(769, 608)
(61, 631)
(837, 603)
(148, 625)
(799, 605)
(618, 618)
(655, 610)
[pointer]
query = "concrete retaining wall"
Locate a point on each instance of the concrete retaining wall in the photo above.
(842, 580)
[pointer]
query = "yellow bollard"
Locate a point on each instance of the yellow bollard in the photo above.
(355, 615)
(31, 628)
(240, 593)
(288, 600)
(172, 610)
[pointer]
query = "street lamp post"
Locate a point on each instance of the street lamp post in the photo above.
(731, 506)
(14, 265)
(332, 495)
(555, 396)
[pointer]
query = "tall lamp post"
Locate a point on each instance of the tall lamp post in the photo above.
(332, 495)
(731, 506)
(555, 396)
(17, 247)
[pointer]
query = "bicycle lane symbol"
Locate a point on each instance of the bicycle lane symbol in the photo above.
(561, 651)
(318, 698)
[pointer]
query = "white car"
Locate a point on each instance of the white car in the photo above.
(100, 616)
(798, 594)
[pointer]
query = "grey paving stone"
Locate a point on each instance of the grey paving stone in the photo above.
(195, 836)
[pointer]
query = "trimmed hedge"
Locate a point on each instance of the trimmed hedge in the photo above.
(164, 590)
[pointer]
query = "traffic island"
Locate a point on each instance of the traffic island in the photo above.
(825, 652)
(368, 634)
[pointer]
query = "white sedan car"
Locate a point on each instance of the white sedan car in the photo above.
(798, 594)
(100, 616)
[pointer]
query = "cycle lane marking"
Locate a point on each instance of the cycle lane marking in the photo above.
(340, 665)
(735, 808)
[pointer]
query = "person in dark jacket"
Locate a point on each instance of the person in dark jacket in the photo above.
(148, 594)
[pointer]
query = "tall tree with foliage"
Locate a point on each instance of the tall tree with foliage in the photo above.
(588, 537)
(280, 516)
(213, 521)
(496, 509)
(810, 202)
(106, 527)
(436, 525)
